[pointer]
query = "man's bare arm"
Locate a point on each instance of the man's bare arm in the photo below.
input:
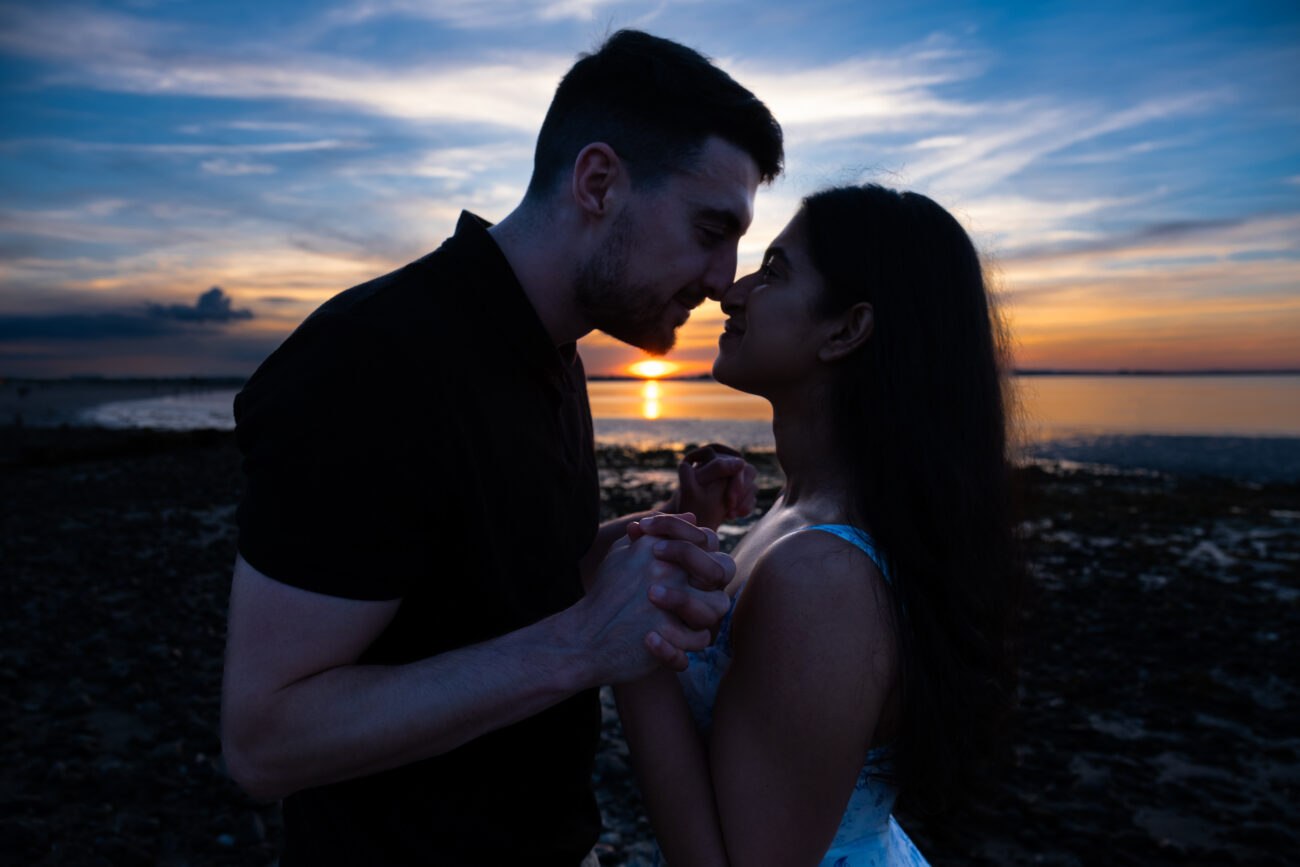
(298, 711)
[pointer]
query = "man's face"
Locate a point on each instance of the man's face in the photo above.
(669, 248)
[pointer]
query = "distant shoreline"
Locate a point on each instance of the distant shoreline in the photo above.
(1207, 372)
(238, 381)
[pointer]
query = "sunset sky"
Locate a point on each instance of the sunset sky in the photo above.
(184, 180)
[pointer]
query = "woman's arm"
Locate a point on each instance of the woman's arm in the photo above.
(671, 766)
(813, 663)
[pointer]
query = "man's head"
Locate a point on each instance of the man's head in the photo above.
(661, 153)
(654, 102)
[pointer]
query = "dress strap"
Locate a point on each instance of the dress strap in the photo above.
(852, 534)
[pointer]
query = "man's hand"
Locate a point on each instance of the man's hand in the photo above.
(662, 593)
(677, 531)
(714, 483)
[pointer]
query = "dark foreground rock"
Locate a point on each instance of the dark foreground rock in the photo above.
(1158, 717)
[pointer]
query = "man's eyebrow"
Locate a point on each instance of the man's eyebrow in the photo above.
(729, 219)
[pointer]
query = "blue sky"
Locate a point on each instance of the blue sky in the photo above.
(1131, 171)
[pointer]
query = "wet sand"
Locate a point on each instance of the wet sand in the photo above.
(1158, 711)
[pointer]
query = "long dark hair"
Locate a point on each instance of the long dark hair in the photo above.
(921, 417)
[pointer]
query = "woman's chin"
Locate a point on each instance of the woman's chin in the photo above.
(725, 373)
(720, 370)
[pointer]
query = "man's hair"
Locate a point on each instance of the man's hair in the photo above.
(655, 102)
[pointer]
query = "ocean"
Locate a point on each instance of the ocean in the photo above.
(1232, 425)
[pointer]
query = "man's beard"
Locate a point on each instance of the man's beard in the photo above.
(607, 299)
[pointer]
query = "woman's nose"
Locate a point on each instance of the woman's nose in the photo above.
(733, 297)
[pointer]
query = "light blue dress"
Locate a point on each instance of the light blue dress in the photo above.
(868, 834)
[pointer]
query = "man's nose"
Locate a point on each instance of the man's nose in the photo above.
(720, 273)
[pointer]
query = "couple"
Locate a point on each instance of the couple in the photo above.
(424, 604)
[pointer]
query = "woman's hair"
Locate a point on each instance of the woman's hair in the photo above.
(920, 414)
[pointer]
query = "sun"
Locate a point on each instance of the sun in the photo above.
(652, 369)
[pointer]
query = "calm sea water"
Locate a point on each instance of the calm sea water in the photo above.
(1237, 425)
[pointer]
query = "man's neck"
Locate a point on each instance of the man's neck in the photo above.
(533, 243)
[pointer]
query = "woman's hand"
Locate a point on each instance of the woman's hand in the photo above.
(714, 483)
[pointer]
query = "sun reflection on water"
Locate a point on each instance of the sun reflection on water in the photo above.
(650, 393)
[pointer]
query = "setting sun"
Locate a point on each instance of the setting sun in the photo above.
(652, 369)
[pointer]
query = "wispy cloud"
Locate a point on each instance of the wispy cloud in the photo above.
(234, 169)
(862, 96)
(1004, 139)
(113, 52)
(472, 14)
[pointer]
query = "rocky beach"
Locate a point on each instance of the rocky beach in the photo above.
(1158, 719)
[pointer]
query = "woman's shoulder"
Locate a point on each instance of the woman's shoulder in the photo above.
(808, 574)
(821, 554)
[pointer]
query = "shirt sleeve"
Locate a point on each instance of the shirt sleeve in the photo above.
(333, 459)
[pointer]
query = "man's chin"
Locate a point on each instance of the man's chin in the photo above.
(654, 344)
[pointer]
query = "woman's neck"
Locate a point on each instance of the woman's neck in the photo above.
(807, 450)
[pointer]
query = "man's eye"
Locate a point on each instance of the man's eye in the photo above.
(712, 236)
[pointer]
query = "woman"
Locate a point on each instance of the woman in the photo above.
(865, 652)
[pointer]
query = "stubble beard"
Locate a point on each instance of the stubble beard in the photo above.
(611, 303)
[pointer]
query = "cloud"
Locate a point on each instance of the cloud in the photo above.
(114, 52)
(184, 150)
(234, 169)
(471, 14)
(864, 96)
(212, 306)
(154, 321)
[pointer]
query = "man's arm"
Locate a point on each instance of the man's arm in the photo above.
(298, 711)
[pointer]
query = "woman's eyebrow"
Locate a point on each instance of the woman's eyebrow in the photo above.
(777, 253)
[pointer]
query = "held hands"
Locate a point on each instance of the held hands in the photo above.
(690, 542)
(714, 483)
(661, 590)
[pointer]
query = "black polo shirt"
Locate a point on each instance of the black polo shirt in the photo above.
(392, 445)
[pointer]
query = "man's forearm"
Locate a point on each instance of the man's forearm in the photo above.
(380, 717)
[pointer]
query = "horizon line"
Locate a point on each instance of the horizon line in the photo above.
(699, 377)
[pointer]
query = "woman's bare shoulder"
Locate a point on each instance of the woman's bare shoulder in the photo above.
(809, 578)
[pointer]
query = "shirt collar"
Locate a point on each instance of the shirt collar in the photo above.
(504, 306)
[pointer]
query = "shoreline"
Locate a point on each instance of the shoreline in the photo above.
(44, 403)
(1237, 459)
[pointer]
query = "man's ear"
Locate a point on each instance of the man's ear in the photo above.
(852, 328)
(595, 172)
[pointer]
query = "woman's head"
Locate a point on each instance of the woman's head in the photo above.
(871, 283)
(890, 312)
(779, 336)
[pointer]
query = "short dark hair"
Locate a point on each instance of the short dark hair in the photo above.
(654, 102)
(922, 418)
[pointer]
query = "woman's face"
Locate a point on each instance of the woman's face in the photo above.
(773, 331)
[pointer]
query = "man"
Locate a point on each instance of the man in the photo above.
(411, 660)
